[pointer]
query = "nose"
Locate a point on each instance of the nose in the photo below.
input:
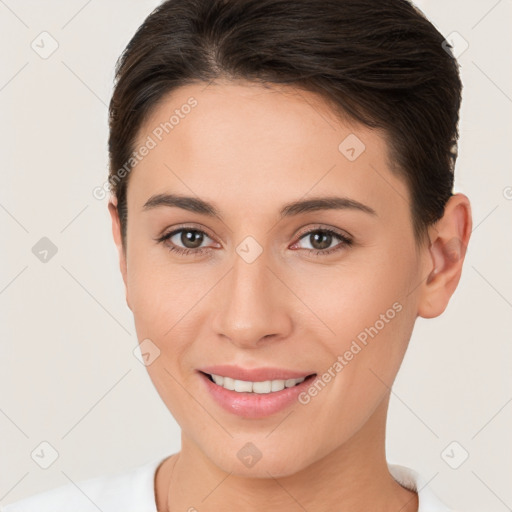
(253, 304)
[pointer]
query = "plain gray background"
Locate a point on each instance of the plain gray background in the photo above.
(68, 374)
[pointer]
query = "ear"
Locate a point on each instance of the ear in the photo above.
(449, 238)
(116, 232)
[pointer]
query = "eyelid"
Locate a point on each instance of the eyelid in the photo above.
(345, 238)
(167, 233)
(345, 241)
(307, 230)
(323, 227)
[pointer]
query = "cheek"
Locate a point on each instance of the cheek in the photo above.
(354, 294)
(162, 292)
(168, 308)
(162, 304)
(366, 306)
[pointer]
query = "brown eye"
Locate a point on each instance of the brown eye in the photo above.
(185, 241)
(322, 239)
(191, 238)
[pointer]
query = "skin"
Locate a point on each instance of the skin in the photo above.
(250, 150)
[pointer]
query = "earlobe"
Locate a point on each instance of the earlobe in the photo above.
(116, 233)
(450, 237)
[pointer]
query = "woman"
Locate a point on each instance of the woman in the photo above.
(281, 176)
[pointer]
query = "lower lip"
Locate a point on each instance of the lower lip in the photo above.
(255, 405)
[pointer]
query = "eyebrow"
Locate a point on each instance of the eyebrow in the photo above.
(194, 204)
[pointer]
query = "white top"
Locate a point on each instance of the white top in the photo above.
(133, 491)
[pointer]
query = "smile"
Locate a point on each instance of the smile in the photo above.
(254, 393)
(261, 387)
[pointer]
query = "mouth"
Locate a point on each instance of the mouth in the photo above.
(255, 387)
(255, 398)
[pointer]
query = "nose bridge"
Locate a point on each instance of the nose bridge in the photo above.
(250, 304)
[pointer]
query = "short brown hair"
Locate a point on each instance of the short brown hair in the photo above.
(382, 63)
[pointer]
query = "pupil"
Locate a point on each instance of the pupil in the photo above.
(191, 237)
(327, 240)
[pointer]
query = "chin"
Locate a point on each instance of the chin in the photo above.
(258, 460)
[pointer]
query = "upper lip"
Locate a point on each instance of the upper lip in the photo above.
(254, 374)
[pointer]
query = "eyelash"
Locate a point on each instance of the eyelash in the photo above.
(345, 241)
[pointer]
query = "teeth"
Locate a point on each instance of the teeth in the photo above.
(244, 386)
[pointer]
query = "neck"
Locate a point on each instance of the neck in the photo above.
(354, 478)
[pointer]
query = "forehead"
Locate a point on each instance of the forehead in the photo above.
(245, 144)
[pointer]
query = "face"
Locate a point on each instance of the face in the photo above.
(326, 293)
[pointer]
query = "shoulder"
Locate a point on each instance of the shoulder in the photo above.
(130, 490)
(411, 479)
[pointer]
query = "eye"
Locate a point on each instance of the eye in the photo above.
(321, 239)
(191, 239)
